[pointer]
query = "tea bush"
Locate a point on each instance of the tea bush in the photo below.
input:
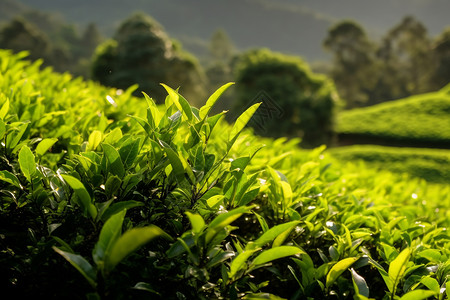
(432, 165)
(106, 196)
(421, 120)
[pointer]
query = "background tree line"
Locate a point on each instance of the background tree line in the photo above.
(363, 72)
(47, 36)
(404, 62)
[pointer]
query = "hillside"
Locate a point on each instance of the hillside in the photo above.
(420, 121)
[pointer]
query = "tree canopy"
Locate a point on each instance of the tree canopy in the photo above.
(295, 101)
(141, 52)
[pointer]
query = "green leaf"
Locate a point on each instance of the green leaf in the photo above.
(153, 114)
(431, 284)
(115, 163)
(81, 264)
(27, 163)
(239, 262)
(180, 102)
(4, 110)
(177, 165)
(204, 110)
(276, 253)
(95, 138)
(129, 242)
(110, 232)
(360, 284)
(240, 123)
(418, 295)
(219, 258)
(112, 185)
(398, 266)
(262, 222)
(273, 232)
(13, 138)
(338, 269)
(129, 151)
(44, 145)
(10, 178)
(262, 296)
(2, 129)
(197, 222)
(279, 240)
(83, 195)
(114, 136)
(223, 220)
(119, 206)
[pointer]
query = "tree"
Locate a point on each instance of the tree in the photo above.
(406, 60)
(441, 60)
(19, 35)
(296, 102)
(221, 47)
(91, 39)
(354, 65)
(142, 53)
(219, 69)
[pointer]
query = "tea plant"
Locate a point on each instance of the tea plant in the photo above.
(103, 195)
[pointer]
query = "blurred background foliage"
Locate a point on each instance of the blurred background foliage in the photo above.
(365, 69)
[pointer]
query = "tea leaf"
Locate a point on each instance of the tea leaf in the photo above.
(431, 284)
(110, 232)
(360, 284)
(27, 163)
(129, 151)
(153, 114)
(2, 129)
(398, 266)
(129, 242)
(418, 295)
(276, 253)
(223, 220)
(81, 264)
(4, 110)
(13, 138)
(114, 162)
(197, 222)
(239, 262)
(175, 161)
(273, 232)
(204, 110)
(44, 145)
(119, 206)
(180, 102)
(95, 138)
(83, 195)
(10, 178)
(240, 124)
(338, 269)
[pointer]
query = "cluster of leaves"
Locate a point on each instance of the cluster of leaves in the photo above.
(416, 120)
(433, 165)
(131, 206)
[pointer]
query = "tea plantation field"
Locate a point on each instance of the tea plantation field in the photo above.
(107, 196)
(419, 121)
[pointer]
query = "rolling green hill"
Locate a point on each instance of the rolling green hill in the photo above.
(421, 121)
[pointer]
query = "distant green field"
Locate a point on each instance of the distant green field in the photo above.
(432, 165)
(421, 120)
